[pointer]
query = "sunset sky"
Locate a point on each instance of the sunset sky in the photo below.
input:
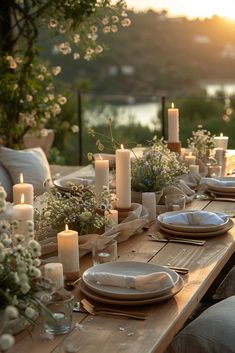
(189, 8)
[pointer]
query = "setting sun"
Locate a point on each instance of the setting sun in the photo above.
(189, 8)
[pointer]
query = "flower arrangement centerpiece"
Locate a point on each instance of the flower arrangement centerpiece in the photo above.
(80, 209)
(156, 169)
(201, 142)
(22, 285)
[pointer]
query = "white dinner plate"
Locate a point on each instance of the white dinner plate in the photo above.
(225, 189)
(205, 234)
(106, 300)
(192, 228)
(64, 183)
(130, 268)
(222, 193)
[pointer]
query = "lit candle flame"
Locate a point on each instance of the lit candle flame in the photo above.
(122, 147)
(22, 199)
(21, 178)
(66, 227)
(100, 157)
(221, 134)
(172, 105)
(190, 153)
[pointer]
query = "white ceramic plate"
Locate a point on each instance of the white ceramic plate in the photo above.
(130, 268)
(222, 193)
(205, 234)
(99, 298)
(191, 228)
(225, 189)
(63, 183)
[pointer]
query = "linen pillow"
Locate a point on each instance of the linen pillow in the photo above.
(31, 162)
(212, 332)
(6, 182)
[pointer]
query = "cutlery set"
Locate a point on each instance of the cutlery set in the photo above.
(162, 238)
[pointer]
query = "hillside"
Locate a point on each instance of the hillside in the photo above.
(158, 55)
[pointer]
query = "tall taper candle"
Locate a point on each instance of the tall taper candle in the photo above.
(123, 178)
(68, 253)
(173, 124)
(101, 176)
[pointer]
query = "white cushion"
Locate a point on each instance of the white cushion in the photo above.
(6, 182)
(31, 162)
(212, 332)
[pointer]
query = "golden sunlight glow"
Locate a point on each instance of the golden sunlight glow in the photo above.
(22, 198)
(189, 8)
(122, 147)
(21, 178)
(66, 227)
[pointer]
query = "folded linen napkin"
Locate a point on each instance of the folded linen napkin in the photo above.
(194, 218)
(150, 282)
(217, 182)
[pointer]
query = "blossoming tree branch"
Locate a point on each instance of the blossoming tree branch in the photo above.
(28, 96)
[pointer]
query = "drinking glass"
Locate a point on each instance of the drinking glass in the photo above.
(58, 316)
(103, 251)
(175, 202)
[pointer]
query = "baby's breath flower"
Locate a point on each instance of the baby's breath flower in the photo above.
(30, 312)
(11, 312)
(105, 21)
(90, 156)
(126, 22)
(75, 128)
(107, 29)
(53, 23)
(76, 38)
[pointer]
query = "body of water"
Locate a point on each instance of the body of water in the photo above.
(147, 113)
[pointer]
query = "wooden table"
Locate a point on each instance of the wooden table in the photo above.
(106, 334)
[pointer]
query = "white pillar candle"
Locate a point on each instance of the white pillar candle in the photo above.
(215, 171)
(221, 141)
(101, 176)
(123, 178)
(23, 214)
(194, 168)
(68, 252)
(22, 188)
(190, 160)
(219, 155)
(54, 272)
(111, 217)
(173, 124)
(149, 201)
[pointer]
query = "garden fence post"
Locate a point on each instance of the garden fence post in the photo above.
(80, 132)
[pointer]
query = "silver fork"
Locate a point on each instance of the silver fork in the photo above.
(160, 237)
(96, 310)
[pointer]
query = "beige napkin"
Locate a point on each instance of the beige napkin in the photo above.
(217, 182)
(150, 282)
(133, 224)
(194, 218)
(179, 188)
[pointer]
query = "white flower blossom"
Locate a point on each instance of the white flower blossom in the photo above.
(6, 341)
(11, 312)
(30, 312)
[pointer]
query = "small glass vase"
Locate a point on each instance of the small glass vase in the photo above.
(58, 314)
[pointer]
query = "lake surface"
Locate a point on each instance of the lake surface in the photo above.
(147, 113)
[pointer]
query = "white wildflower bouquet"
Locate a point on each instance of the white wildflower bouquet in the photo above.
(79, 208)
(156, 169)
(21, 282)
(201, 142)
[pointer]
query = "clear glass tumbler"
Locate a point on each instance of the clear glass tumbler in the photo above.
(175, 202)
(103, 251)
(58, 316)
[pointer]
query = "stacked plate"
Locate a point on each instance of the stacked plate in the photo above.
(224, 186)
(196, 224)
(129, 296)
